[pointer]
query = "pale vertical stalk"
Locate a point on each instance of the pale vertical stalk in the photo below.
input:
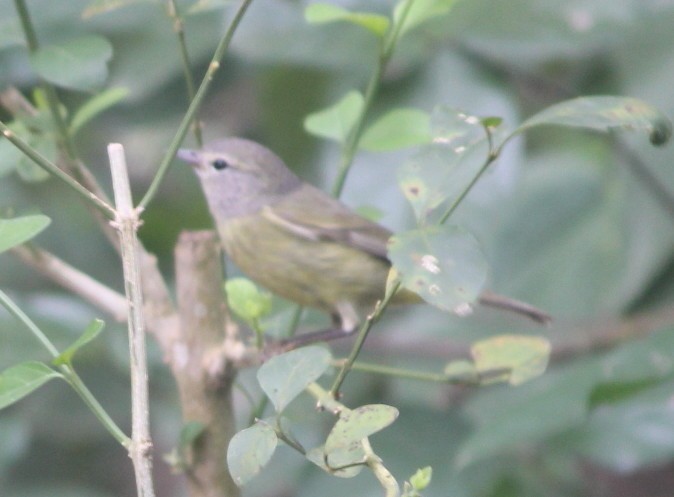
(381, 472)
(127, 223)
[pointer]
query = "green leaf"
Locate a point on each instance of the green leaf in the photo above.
(524, 357)
(19, 230)
(189, 434)
(92, 331)
(181, 457)
(374, 214)
(631, 435)
(249, 451)
(397, 129)
(20, 380)
(491, 122)
(357, 424)
(420, 12)
(440, 171)
(344, 463)
(78, 64)
(507, 418)
(614, 392)
(422, 478)
(443, 264)
(321, 13)
(285, 376)
(336, 121)
(604, 113)
(344, 445)
(95, 106)
(461, 371)
(246, 300)
(98, 7)
(393, 283)
(559, 402)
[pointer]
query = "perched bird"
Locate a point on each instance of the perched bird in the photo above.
(298, 241)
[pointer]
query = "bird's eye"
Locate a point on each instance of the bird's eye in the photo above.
(220, 164)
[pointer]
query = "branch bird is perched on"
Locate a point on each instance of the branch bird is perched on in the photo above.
(298, 241)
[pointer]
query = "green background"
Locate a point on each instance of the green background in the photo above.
(566, 223)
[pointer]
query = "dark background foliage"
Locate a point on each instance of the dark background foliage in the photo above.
(568, 219)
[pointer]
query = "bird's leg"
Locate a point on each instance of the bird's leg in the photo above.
(336, 331)
(326, 335)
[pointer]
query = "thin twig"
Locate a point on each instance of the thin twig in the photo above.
(557, 91)
(53, 169)
(327, 401)
(127, 223)
(57, 270)
(178, 28)
(360, 340)
(386, 49)
(17, 105)
(408, 374)
(195, 105)
(492, 155)
(48, 89)
(68, 372)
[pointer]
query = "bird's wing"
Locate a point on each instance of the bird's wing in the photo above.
(310, 213)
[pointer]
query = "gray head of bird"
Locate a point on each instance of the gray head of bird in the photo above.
(239, 176)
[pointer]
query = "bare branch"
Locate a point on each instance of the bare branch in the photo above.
(205, 390)
(127, 223)
(81, 284)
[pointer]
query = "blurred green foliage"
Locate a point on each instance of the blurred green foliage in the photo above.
(566, 220)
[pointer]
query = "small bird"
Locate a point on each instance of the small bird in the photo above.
(296, 240)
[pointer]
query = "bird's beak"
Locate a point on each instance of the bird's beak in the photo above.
(190, 156)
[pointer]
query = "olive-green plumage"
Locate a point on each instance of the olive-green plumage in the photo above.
(291, 237)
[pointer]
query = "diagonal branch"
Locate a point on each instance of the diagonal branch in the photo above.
(70, 278)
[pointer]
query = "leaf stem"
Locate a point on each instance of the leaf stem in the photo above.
(351, 145)
(492, 155)
(294, 321)
(68, 372)
(15, 311)
(194, 106)
(386, 49)
(360, 340)
(49, 90)
(324, 399)
(327, 400)
(408, 374)
(179, 29)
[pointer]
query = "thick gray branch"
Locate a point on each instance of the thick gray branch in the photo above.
(204, 379)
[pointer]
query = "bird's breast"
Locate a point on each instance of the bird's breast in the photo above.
(312, 272)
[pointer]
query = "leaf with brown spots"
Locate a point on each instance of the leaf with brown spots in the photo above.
(440, 171)
(443, 264)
